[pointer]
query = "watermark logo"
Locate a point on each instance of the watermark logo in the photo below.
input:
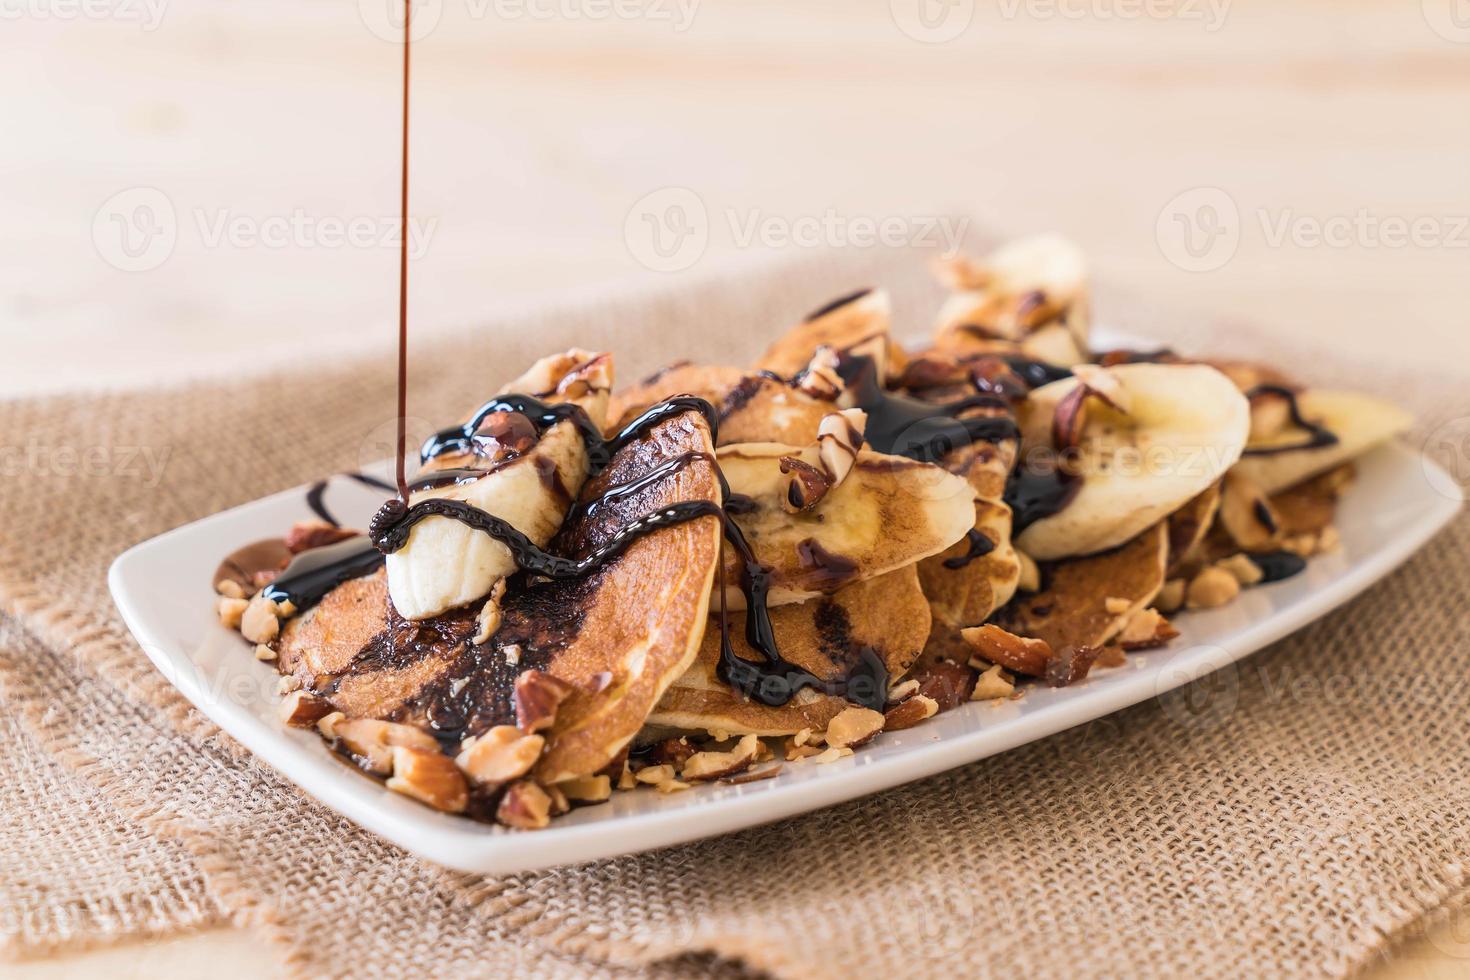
(1199, 229)
(932, 21)
(1449, 445)
(670, 229)
(147, 14)
(1210, 13)
(136, 230)
(1450, 19)
(1200, 693)
(667, 230)
(385, 18)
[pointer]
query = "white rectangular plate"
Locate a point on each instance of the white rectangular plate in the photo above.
(163, 589)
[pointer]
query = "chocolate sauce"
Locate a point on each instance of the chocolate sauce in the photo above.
(250, 566)
(835, 305)
(1318, 436)
(980, 546)
(829, 570)
(924, 431)
(314, 573)
(1277, 565)
(1036, 373)
(402, 430)
(315, 495)
(1033, 494)
(774, 681)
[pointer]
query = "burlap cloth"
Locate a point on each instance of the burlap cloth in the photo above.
(1277, 823)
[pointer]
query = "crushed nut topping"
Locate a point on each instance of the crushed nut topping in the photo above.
(537, 696)
(854, 726)
(714, 765)
(524, 806)
(500, 755)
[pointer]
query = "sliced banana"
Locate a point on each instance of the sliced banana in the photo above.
(444, 563)
(1359, 422)
(888, 512)
(841, 325)
(1014, 292)
(1185, 425)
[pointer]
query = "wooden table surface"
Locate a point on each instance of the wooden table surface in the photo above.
(205, 190)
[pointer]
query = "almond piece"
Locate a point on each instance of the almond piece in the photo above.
(586, 789)
(372, 741)
(854, 726)
(1171, 596)
(537, 696)
(1017, 653)
(302, 709)
(1246, 572)
(260, 622)
(806, 488)
(429, 777)
(1146, 629)
(230, 611)
(903, 691)
(993, 683)
(714, 765)
(305, 535)
(1247, 515)
(653, 775)
(949, 684)
(501, 754)
(673, 751)
(524, 806)
(908, 713)
(1211, 588)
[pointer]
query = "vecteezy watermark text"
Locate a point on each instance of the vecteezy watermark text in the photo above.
(1199, 230)
(384, 18)
(137, 229)
(670, 229)
(37, 459)
(147, 14)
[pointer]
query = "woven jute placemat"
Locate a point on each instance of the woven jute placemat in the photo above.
(1295, 814)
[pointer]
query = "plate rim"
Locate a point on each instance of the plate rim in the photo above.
(473, 847)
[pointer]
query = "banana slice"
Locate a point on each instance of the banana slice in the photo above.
(1184, 426)
(1359, 422)
(886, 513)
(841, 325)
(1014, 292)
(445, 564)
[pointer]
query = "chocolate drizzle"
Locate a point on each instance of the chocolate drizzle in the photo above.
(924, 431)
(315, 497)
(1277, 565)
(1318, 436)
(836, 305)
(773, 681)
(314, 573)
(980, 546)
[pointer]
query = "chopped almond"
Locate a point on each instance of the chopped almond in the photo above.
(1021, 654)
(430, 777)
(854, 726)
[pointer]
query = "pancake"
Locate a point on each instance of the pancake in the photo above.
(617, 636)
(1073, 610)
(707, 381)
(824, 636)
